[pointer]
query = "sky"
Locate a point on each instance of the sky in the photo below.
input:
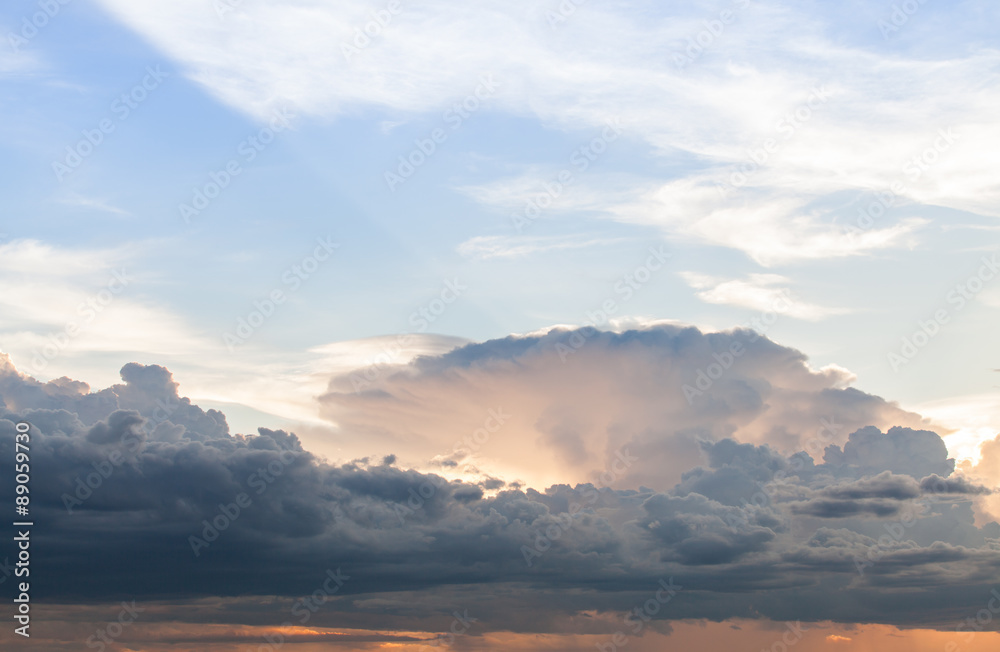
(722, 275)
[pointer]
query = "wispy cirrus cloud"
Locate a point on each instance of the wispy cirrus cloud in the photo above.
(761, 292)
(92, 203)
(498, 246)
(773, 143)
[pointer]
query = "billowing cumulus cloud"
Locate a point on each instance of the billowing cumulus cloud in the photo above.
(563, 406)
(146, 496)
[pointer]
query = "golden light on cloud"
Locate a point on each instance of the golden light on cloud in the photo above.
(968, 422)
(836, 638)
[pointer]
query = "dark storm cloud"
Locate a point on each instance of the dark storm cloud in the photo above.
(883, 485)
(415, 546)
(957, 485)
(825, 508)
(698, 530)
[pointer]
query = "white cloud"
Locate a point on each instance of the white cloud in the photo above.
(761, 292)
(497, 246)
(62, 304)
(863, 116)
(92, 203)
(68, 311)
(32, 258)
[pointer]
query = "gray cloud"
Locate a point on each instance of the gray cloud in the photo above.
(883, 485)
(900, 450)
(731, 529)
(956, 485)
(827, 508)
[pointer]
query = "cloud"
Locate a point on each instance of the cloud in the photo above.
(134, 471)
(17, 62)
(757, 292)
(74, 199)
(771, 225)
(987, 471)
(575, 398)
(44, 259)
(66, 307)
(61, 302)
(877, 495)
(918, 453)
(488, 247)
(775, 136)
(954, 485)
(971, 421)
(883, 485)
(824, 508)
(700, 531)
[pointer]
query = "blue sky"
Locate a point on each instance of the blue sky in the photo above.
(333, 261)
(883, 97)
